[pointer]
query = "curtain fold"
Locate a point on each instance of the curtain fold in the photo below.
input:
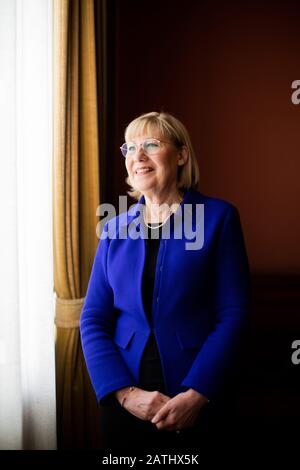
(27, 369)
(76, 191)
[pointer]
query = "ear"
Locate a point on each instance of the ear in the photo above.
(183, 155)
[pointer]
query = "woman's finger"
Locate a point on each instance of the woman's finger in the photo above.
(161, 414)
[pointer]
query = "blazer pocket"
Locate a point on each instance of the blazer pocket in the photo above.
(189, 339)
(123, 336)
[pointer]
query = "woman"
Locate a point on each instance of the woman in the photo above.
(167, 304)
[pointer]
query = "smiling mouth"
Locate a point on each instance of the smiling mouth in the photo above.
(143, 171)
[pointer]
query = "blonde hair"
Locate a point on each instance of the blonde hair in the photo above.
(171, 128)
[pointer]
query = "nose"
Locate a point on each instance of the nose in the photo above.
(140, 153)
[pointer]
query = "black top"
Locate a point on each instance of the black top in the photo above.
(152, 247)
(151, 375)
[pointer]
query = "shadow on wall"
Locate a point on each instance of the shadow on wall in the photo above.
(271, 389)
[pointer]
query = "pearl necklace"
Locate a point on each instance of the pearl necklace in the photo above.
(161, 224)
(158, 226)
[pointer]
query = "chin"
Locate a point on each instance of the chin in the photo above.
(143, 187)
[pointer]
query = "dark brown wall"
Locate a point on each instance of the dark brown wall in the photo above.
(225, 69)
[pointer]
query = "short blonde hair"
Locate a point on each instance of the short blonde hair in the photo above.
(171, 128)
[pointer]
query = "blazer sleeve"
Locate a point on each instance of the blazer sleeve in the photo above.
(219, 355)
(107, 370)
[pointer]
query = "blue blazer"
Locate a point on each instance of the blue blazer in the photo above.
(200, 304)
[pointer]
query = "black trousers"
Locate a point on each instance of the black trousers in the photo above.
(121, 429)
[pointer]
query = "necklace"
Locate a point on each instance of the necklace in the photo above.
(162, 223)
(158, 226)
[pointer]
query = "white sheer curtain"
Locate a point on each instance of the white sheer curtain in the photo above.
(27, 373)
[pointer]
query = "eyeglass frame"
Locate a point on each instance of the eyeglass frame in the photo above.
(142, 144)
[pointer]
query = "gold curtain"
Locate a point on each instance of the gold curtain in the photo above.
(75, 199)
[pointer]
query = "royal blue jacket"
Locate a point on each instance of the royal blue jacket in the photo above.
(200, 304)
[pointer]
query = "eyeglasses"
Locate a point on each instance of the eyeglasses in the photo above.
(150, 147)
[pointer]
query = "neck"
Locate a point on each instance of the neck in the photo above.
(158, 209)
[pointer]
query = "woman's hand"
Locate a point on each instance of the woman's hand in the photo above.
(141, 403)
(181, 411)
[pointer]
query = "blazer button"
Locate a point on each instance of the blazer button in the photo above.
(157, 299)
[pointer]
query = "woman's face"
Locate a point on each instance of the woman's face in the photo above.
(154, 175)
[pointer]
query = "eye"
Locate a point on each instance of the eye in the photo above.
(151, 145)
(131, 148)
